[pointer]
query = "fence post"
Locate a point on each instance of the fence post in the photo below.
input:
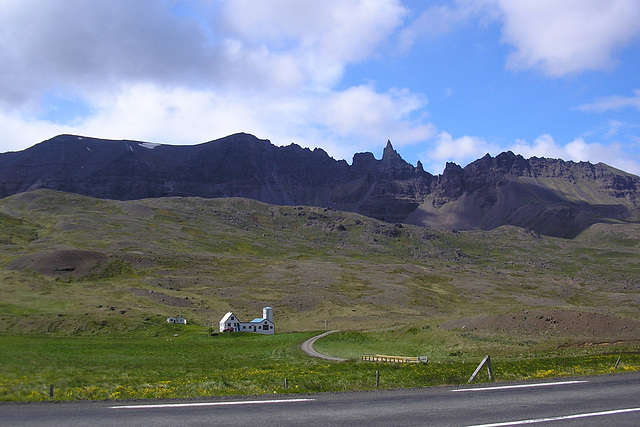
(377, 379)
(51, 391)
(487, 360)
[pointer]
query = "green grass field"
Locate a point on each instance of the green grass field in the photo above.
(87, 284)
(195, 364)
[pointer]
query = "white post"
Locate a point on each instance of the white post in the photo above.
(487, 360)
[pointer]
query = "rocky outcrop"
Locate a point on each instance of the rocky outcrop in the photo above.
(390, 188)
(549, 196)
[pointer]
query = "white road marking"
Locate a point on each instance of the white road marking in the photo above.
(184, 405)
(506, 387)
(565, 417)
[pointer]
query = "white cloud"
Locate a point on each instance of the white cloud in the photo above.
(190, 71)
(466, 149)
(323, 37)
(361, 111)
(569, 36)
(83, 47)
(87, 47)
(462, 151)
(579, 151)
(186, 72)
(19, 133)
(341, 122)
(435, 21)
(448, 17)
(543, 146)
(556, 37)
(613, 103)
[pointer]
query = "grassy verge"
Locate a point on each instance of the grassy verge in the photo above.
(197, 364)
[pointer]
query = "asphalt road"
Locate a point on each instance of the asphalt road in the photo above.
(612, 400)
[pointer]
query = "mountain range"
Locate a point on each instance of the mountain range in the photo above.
(548, 196)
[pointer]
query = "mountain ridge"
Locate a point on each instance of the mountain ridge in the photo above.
(549, 196)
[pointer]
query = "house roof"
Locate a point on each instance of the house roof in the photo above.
(260, 320)
(226, 316)
(256, 320)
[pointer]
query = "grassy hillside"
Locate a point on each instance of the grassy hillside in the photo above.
(87, 285)
(76, 265)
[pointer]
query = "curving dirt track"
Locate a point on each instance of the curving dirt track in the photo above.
(308, 348)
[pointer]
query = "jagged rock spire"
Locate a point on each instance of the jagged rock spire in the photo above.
(390, 153)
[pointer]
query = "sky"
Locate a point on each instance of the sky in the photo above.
(444, 81)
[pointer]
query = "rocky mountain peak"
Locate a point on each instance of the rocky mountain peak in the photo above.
(389, 153)
(393, 165)
(549, 196)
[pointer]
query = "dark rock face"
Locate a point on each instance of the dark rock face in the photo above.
(549, 196)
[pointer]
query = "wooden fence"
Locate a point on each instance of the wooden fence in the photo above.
(394, 359)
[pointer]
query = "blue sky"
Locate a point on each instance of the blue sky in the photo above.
(443, 80)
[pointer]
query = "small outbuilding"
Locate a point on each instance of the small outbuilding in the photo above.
(260, 325)
(177, 320)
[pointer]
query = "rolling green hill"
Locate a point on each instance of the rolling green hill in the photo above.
(70, 264)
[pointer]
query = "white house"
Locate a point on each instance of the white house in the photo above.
(260, 325)
(180, 320)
